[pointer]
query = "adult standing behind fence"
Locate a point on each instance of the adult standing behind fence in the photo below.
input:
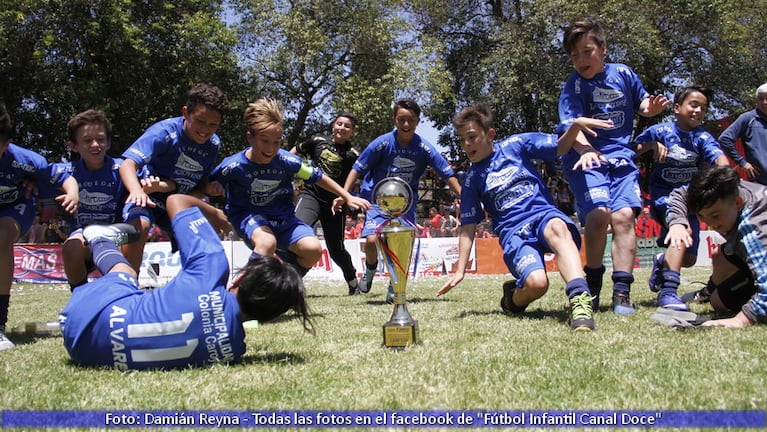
(751, 129)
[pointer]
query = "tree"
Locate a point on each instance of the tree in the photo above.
(508, 54)
(320, 58)
(134, 60)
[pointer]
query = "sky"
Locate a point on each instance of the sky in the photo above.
(427, 130)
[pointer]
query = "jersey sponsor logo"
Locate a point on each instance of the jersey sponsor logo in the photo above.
(617, 117)
(501, 177)
(597, 194)
(678, 175)
(264, 186)
(404, 163)
(606, 95)
(94, 198)
(681, 154)
(8, 194)
(525, 262)
(214, 325)
(403, 168)
(519, 192)
(184, 184)
(186, 163)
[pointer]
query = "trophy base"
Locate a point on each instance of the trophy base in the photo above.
(399, 335)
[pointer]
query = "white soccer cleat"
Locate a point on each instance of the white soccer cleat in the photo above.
(119, 234)
(5, 343)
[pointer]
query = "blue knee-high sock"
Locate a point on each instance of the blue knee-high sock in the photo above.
(671, 279)
(106, 255)
(622, 281)
(576, 287)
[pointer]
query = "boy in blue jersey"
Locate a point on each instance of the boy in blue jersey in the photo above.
(738, 211)
(504, 182)
(180, 150)
(401, 153)
(192, 321)
(102, 195)
(606, 194)
(20, 167)
(680, 148)
(258, 184)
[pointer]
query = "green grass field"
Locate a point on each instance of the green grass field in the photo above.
(470, 357)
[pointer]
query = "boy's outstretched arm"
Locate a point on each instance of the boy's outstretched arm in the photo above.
(575, 137)
(136, 194)
(330, 185)
(177, 203)
(71, 197)
(465, 242)
(653, 105)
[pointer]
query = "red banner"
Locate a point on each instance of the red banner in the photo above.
(38, 263)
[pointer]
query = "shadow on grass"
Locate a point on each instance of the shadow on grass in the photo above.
(538, 315)
(381, 300)
(23, 339)
(279, 358)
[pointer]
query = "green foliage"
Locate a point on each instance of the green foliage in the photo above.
(470, 356)
(508, 54)
(134, 60)
(321, 58)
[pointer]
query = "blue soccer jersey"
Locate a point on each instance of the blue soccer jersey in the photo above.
(687, 151)
(263, 189)
(614, 94)
(507, 185)
(101, 191)
(16, 164)
(191, 321)
(173, 155)
(384, 157)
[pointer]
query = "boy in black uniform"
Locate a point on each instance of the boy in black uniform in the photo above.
(334, 156)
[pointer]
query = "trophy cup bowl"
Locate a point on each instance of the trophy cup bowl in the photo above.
(395, 239)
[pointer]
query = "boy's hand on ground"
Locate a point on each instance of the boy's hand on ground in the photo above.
(455, 280)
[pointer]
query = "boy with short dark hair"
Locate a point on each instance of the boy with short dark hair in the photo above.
(680, 148)
(401, 153)
(19, 168)
(738, 211)
(607, 194)
(504, 182)
(180, 150)
(102, 195)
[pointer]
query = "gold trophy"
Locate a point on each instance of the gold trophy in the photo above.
(395, 239)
